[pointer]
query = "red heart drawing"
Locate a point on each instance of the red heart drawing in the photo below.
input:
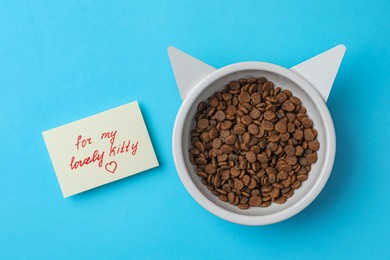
(111, 167)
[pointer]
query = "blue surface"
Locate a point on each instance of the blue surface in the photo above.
(64, 60)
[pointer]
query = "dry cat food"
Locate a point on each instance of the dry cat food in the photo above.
(253, 144)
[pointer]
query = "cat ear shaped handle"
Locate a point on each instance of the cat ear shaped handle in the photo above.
(187, 69)
(320, 70)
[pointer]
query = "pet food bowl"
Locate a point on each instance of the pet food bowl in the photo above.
(311, 81)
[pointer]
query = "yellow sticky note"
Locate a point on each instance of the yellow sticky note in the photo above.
(100, 149)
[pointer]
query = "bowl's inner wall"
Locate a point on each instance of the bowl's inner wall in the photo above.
(312, 112)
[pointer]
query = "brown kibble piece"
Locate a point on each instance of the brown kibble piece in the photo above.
(281, 127)
(274, 138)
(231, 139)
(290, 127)
(282, 175)
(268, 86)
(275, 193)
(281, 200)
(243, 206)
(213, 101)
(217, 143)
(262, 158)
(201, 161)
(262, 143)
(239, 129)
(299, 150)
(223, 197)
(315, 132)
(227, 96)
(231, 197)
(255, 201)
(272, 178)
(235, 172)
(309, 135)
(289, 150)
(281, 97)
(203, 123)
(267, 125)
(290, 117)
(225, 175)
(295, 100)
(210, 169)
(231, 110)
(246, 120)
(298, 134)
(265, 204)
(245, 97)
(269, 115)
(238, 184)
(222, 157)
(314, 145)
(194, 151)
(291, 160)
(234, 85)
(243, 81)
(270, 170)
(201, 106)
(296, 184)
(251, 80)
(250, 156)
(312, 158)
(252, 184)
(226, 125)
(220, 116)
(306, 122)
(289, 193)
(284, 137)
(256, 98)
(246, 179)
(213, 133)
(253, 129)
(288, 106)
(199, 146)
(255, 114)
(285, 167)
(302, 177)
(272, 147)
(246, 138)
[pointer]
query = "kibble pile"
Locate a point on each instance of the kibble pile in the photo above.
(253, 144)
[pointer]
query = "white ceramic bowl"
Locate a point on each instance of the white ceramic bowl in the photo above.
(317, 111)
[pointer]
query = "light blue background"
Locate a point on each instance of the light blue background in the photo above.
(63, 60)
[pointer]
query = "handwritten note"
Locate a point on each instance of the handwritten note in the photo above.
(100, 149)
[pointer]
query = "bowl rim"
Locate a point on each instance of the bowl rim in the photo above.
(184, 175)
